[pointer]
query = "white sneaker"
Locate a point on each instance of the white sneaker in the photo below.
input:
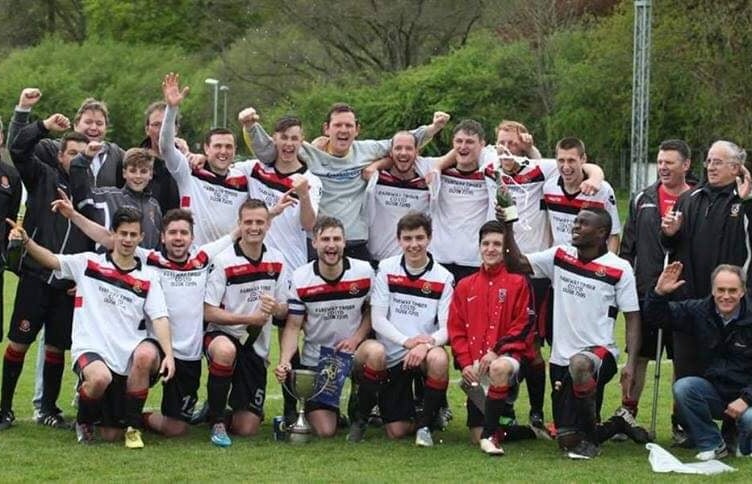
(491, 446)
(423, 437)
(718, 453)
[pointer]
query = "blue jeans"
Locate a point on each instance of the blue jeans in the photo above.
(699, 403)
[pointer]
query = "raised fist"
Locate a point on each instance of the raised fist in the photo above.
(29, 97)
(57, 122)
(440, 119)
(93, 148)
(248, 117)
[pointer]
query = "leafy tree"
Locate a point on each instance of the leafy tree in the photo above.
(27, 22)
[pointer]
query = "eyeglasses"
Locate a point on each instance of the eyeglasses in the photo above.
(716, 162)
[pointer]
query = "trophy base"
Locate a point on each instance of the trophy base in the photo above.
(299, 437)
(510, 214)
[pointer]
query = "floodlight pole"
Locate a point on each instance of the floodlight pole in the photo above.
(640, 95)
(225, 89)
(215, 84)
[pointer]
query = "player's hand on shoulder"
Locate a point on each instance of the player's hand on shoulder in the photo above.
(589, 187)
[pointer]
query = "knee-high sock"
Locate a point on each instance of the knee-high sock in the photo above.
(368, 391)
(290, 402)
(88, 407)
(134, 405)
(12, 365)
(434, 397)
(52, 378)
(496, 405)
(536, 386)
(585, 407)
(217, 389)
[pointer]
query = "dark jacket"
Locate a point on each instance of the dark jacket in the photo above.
(715, 230)
(109, 175)
(99, 204)
(162, 186)
(644, 224)
(47, 228)
(725, 350)
(10, 202)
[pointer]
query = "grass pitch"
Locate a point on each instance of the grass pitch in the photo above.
(34, 453)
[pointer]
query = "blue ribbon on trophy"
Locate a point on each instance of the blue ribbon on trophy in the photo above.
(331, 373)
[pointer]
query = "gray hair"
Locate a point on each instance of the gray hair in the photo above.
(736, 270)
(738, 155)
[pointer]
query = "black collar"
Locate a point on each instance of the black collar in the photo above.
(137, 267)
(345, 267)
(416, 276)
(239, 252)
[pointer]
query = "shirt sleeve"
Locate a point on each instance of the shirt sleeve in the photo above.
(215, 286)
(610, 204)
(548, 167)
(212, 249)
(294, 304)
(176, 162)
(282, 287)
(155, 306)
(626, 292)
(440, 336)
(543, 262)
(72, 266)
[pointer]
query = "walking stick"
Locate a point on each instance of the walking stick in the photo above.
(657, 374)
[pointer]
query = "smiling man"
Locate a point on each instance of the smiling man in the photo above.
(328, 301)
(648, 257)
(215, 193)
(409, 309)
(722, 326)
(491, 332)
(393, 193)
(246, 289)
(591, 285)
(340, 165)
(564, 199)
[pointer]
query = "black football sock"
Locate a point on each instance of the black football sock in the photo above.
(536, 386)
(52, 378)
(496, 403)
(218, 388)
(12, 366)
(434, 395)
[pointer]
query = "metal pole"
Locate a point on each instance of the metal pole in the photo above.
(225, 90)
(640, 95)
(215, 84)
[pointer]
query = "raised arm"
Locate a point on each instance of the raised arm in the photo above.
(96, 232)
(174, 160)
(26, 101)
(43, 256)
(514, 259)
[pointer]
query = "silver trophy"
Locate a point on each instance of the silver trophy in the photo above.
(302, 385)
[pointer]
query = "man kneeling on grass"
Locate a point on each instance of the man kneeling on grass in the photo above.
(114, 358)
(591, 285)
(722, 326)
(491, 328)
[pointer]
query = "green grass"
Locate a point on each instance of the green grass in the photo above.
(33, 453)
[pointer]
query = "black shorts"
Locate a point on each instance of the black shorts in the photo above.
(396, 399)
(248, 391)
(38, 304)
(112, 405)
(180, 393)
(357, 250)
(565, 415)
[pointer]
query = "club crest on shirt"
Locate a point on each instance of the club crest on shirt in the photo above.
(735, 209)
(137, 287)
(426, 289)
(353, 289)
(4, 182)
(502, 295)
(600, 272)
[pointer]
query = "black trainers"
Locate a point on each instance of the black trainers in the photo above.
(357, 431)
(54, 420)
(6, 419)
(631, 429)
(585, 450)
